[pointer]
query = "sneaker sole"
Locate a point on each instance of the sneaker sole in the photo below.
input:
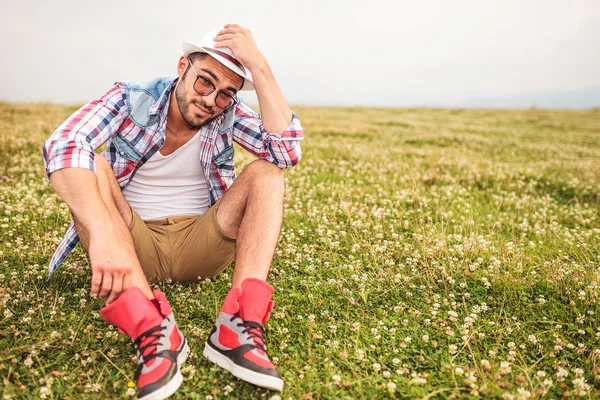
(170, 388)
(184, 353)
(255, 378)
(167, 390)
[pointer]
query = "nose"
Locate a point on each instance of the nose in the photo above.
(210, 99)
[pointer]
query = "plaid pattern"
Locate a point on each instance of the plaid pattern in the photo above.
(131, 142)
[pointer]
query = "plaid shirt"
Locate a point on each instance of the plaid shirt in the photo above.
(131, 119)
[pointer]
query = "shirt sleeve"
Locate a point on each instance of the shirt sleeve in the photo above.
(72, 145)
(281, 149)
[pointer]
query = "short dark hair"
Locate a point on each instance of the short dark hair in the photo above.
(197, 56)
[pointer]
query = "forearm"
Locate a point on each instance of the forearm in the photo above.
(275, 112)
(78, 188)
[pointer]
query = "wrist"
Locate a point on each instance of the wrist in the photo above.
(95, 221)
(260, 66)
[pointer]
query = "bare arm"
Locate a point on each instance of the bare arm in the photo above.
(102, 230)
(275, 112)
(78, 187)
(72, 169)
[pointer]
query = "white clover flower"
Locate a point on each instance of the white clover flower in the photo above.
(360, 354)
(562, 374)
(44, 392)
(417, 380)
(391, 386)
(470, 379)
(377, 367)
(523, 394)
(505, 368)
(541, 374)
(532, 339)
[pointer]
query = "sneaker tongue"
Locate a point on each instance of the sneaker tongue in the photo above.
(132, 313)
(254, 301)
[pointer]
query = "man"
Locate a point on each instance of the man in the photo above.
(163, 201)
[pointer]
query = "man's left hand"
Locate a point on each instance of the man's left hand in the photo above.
(241, 42)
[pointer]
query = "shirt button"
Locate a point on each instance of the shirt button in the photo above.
(121, 153)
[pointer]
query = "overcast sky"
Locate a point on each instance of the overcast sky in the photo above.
(367, 52)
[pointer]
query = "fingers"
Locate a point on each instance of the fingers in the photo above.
(107, 281)
(96, 281)
(126, 281)
(117, 288)
(112, 285)
(225, 43)
(233, 26)
(232, 29)
(229, 30)
(225, 36)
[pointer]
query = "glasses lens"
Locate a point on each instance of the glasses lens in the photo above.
(203, 86)
(223, 101)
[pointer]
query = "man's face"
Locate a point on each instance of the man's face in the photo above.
(198, 110)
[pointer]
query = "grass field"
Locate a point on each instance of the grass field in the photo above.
(424, 254)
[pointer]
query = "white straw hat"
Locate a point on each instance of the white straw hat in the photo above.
(224, 55)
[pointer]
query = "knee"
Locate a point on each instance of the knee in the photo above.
(266, 175)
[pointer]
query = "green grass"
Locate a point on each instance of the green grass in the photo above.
(425, 253)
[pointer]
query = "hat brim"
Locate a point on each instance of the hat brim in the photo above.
(189, 48)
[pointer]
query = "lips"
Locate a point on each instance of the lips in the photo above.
(204, 112)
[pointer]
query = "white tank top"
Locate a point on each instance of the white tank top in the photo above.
(167, 186)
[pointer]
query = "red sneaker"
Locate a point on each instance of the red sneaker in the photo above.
(237, 342)
(160, 346)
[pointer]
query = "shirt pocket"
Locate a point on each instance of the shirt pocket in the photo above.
(224, 163)
(124, 149)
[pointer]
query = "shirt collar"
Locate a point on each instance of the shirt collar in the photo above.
(157, 107)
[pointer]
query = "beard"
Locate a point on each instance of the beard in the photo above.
(185, 108)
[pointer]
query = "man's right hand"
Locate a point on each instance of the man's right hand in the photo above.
(112, 262)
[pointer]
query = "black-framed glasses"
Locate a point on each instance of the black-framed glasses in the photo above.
(203, 86)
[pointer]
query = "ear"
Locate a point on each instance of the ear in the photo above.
(182, 65)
